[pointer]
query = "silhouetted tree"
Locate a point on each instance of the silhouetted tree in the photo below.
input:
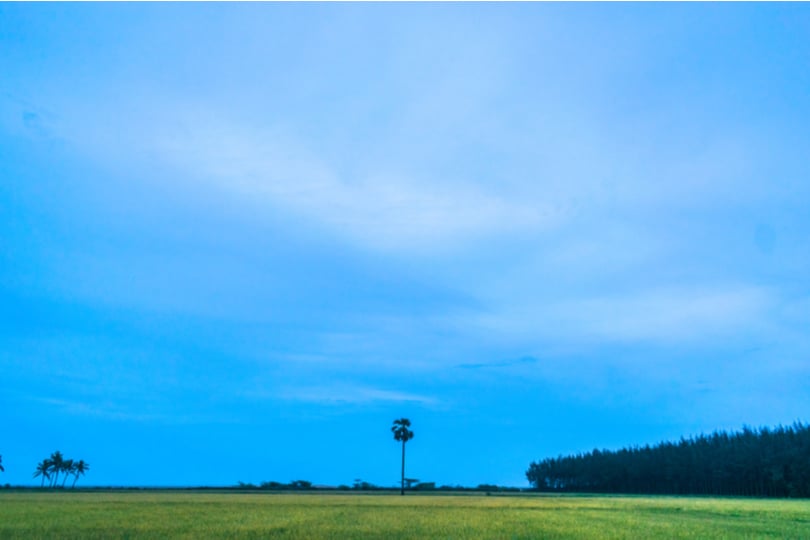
(79, 468)
(67, 468)
(300, 484)
(402, 433)
(57, 466)
(1, 465)
(44, 470)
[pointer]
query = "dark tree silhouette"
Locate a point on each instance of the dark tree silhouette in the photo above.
(402, 433)
(44, 470)
(1, 465)
(79, 468)
(67, 468)
(57, 466)
(768, 462)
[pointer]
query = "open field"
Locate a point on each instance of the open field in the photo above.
(160, 514)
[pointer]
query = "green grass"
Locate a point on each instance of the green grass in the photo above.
(161, 514)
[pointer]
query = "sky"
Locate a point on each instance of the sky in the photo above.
(238, 240)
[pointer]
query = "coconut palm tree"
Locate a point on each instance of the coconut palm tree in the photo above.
(57, 465)
(67, 468)
(1, 465)
(79, 468)
(402, 433)
(44, 470)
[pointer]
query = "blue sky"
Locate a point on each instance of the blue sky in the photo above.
(237, 241)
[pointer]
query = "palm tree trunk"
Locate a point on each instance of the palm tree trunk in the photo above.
(75, 477)
(402, 479)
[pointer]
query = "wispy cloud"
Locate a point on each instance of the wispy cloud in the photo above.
(384, 209)
(114, 411)
(669, 314)
(336, 395)
(505, 363)
(658, 315)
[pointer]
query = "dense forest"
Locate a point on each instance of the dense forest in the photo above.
(761, 463)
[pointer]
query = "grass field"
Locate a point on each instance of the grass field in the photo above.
(161, 514)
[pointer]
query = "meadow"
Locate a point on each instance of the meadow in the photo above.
(161, 514)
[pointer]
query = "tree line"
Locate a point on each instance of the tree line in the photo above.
(411, 484)
(764, 462)
(402, 433)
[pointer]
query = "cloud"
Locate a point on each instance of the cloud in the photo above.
(668, 314)
(657, 315)
(382, 208)
(506, 363)
(336, 395)
(112, 411)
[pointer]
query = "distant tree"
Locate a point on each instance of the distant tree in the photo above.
(301, 484)
(67, 468)
(362, 485)
(44, 470)
(57, 466)
(401, 432)
(1, 465)
(79, 468)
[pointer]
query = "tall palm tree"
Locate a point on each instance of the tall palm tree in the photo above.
(402, 433)
(1, 465)
(57, 465)
(44, 470)
(67, 467)
(79, 468)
